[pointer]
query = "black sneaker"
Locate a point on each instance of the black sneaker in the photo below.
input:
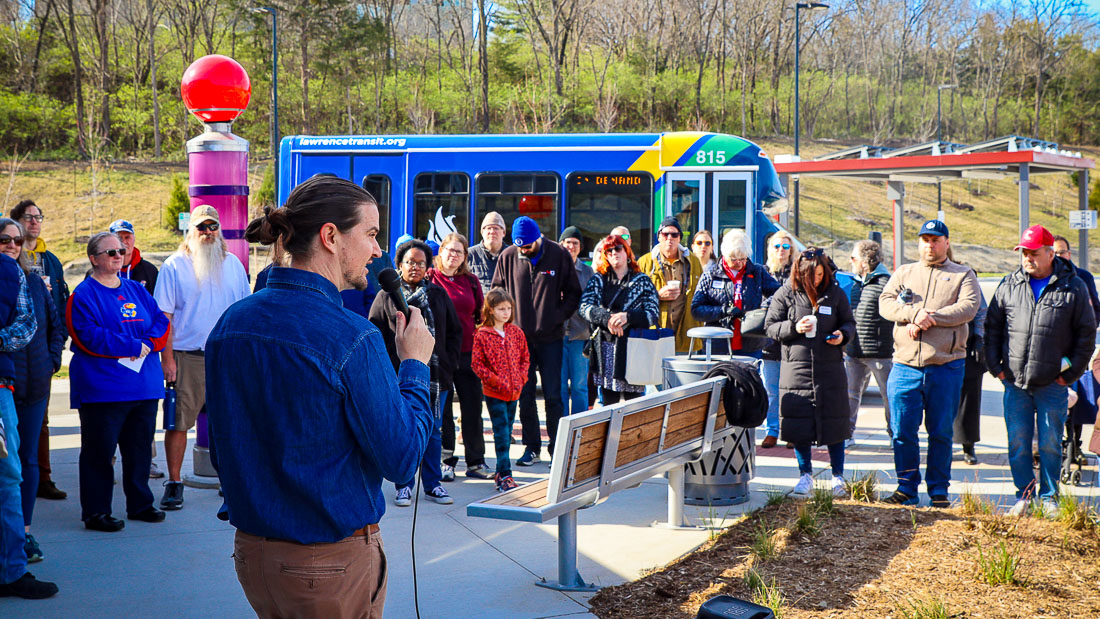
(528, 458)
(173, 496)
(900, 498)
(940, 501)
(969, 456)
(28, 587)
(149, 514)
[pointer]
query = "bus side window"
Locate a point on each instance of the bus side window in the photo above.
(442, 205)
(524, 193)
(378, 186)
(599, 201)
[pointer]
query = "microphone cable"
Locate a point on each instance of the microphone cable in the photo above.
(412, 543)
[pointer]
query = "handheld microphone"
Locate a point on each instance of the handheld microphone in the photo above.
(390, 282)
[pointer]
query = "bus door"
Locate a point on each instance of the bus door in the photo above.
(383, 175)
(685, 199)
(731, 206)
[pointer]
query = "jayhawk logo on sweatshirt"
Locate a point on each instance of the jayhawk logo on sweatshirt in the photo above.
(129, 310)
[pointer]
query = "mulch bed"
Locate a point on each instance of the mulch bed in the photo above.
(873, 560)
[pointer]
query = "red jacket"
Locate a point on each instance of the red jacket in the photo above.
(501, 362)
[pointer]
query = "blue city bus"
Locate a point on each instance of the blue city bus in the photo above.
(431, 185)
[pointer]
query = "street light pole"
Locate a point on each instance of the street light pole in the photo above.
(814, 6)
(939, 138)
(274, 87)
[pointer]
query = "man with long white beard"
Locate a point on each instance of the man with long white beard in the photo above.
(196, 284)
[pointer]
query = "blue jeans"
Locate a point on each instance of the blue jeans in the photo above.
(503, 416)
(1024, 409)
(771, 383)
(30, 428)
(13, 561)
(574, 377)
(836, 459)
(431, 465)
(930, 394)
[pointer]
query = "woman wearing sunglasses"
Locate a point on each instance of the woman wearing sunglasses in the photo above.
(728, 289)
(618, 298)
(811, 319)
(115, 384)
(780, 259)
(35, 365)
(702, 245)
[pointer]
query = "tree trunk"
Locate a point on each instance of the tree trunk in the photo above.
(78, 82)
(483, 62)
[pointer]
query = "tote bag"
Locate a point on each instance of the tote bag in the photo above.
(646, 349)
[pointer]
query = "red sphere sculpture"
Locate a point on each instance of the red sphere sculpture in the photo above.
(215, 88)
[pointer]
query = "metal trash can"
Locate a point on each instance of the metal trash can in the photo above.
(722, 476)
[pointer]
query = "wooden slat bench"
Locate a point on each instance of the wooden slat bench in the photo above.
(602, 451)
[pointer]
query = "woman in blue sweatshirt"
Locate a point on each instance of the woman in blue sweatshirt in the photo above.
(115, 383)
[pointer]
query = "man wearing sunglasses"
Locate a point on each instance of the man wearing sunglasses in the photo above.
(675, 272)
(195, 286)
(45, 265)
(931, 302)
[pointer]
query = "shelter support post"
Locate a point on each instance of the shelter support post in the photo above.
(1025, 198)
(785, 216)
(1083, 235)
(569, 579)
(895, 192)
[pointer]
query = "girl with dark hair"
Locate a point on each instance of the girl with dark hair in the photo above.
(413, 258)
(618, 298)
(811, 319)
(501, 360)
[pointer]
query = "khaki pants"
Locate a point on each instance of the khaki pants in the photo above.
(285, 580)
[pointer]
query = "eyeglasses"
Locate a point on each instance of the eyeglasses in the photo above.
(670, 235)
(813, 252)
(703, 243)
(782, 246)
(203, 227)
(737, 260)
(613, 249)
(1064, 252)
(113, 252)
(454, 250)
(415, 265)
(29, 217)
(11, 240)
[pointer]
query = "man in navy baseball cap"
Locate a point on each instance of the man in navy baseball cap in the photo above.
(934, 227)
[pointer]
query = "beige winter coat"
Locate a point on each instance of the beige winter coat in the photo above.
(951, 291)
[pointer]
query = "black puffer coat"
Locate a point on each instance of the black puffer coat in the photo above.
(1026, 339)
(813, 386)
(874, 334)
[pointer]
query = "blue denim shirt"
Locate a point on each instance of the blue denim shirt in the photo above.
(306, 414)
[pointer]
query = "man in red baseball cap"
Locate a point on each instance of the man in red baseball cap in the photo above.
(1039, 335)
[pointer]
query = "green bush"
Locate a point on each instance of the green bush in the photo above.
(266, 194)
(178, 202)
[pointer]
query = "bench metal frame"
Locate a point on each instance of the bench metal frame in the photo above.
(565, 496)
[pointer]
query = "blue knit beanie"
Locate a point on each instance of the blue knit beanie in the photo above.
(525, 231)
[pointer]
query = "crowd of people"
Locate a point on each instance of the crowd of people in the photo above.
(504, 317)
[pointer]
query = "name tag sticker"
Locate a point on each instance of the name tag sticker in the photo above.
(825, 310)
(717, 285)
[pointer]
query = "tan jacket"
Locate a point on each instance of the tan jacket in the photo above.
(649, 265)
(951, 291)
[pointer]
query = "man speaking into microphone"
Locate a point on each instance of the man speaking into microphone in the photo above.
(307, 415)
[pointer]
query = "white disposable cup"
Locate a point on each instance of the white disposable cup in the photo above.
(813, 326)
(675, 284)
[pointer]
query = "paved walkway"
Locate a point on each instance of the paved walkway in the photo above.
(466, 567)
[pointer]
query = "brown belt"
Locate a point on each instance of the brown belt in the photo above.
(367, 530)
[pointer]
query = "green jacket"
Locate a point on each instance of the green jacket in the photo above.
(649, 265)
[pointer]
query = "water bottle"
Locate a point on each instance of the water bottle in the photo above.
(169, 406)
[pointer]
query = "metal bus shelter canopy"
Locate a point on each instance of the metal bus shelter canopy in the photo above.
(1007, 157)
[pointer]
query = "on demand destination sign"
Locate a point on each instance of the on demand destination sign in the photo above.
(1082, 220)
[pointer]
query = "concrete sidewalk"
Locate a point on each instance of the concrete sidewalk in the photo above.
(466, 567)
